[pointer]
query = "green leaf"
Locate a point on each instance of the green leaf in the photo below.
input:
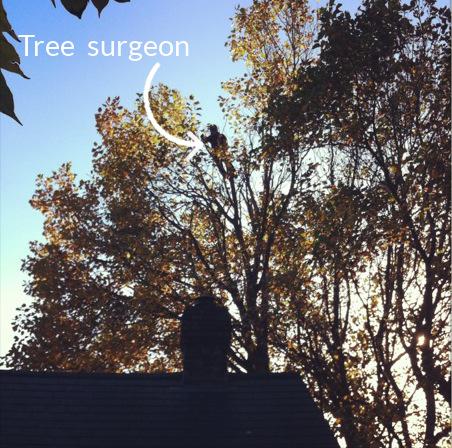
(6, 99)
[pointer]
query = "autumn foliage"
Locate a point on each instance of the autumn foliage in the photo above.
(324, 225)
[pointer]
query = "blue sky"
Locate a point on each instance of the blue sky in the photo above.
(57, 105)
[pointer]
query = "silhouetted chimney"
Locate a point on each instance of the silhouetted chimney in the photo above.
(205, 340)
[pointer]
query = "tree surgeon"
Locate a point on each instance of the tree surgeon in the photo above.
(216, 139)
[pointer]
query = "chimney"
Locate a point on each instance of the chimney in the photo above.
(205, 340)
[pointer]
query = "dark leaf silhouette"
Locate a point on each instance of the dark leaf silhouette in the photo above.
(6, 99)
(5, 26)
(9, 60)
(77, 7)
(8, 53)
(100, 4)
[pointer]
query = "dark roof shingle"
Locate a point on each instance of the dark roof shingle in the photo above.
(65, 410)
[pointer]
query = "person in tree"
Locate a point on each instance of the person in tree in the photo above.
(216, 139)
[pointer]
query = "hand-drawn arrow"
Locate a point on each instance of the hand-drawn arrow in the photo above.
(194, 141)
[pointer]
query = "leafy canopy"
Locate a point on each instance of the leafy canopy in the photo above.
(324, 225)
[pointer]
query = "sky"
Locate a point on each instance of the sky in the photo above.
(58, 103)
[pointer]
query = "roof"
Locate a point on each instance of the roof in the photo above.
(140, 410)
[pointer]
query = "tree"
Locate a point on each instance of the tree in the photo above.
(312, 225)
(217, 223)
(378, 97)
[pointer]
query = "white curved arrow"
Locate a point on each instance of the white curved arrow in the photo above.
(194, 141)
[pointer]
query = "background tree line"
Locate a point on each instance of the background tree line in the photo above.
(324, 226)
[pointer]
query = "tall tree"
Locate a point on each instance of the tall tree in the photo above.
(217, 221)
(323, 224)
(378, 97)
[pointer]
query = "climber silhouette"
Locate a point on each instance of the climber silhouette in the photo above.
(216, 139)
